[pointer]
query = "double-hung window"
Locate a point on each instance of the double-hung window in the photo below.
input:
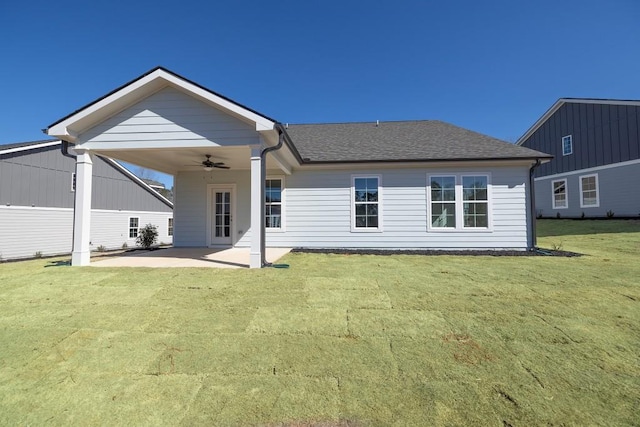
(273, 203)
(589, 191)
(169, 226)
(365, 201)
(458, 202)
(134, 223)
(559, 189)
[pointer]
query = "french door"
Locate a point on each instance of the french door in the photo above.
(221, 210)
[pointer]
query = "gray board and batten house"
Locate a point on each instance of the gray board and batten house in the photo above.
(595, 171)
(37, 191)
(243, 179)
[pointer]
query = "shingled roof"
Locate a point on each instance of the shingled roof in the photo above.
(422, 140)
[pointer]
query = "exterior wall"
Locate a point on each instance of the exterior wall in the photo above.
(42, 178)
(27, 230)
(617, 191)
(602, 134)
(175, 117)
(317, 210)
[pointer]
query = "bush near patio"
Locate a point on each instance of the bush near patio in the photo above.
(334, 340)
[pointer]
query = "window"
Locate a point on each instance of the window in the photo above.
(559, 194)
(458, 202)
(170, 226)
(567, 145)
(73, 181)
(443, 201)
(366, 204)
(589, 191)
(475, 202)
(133, 227)
(273, 203)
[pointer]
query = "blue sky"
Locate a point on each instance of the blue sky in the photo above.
(491, 66)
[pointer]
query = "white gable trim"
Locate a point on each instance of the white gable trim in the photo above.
(29, 147)
(89, 116)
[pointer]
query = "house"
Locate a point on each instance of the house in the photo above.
(37, 192)
(596, 166)
(242, 179)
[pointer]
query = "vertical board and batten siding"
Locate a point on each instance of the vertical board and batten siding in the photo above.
(171, 115)
(617, 191)
(26, 230)
(602, 134)
(42, 178)
(317, 210)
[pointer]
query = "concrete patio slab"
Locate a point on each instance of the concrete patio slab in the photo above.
(188, 257)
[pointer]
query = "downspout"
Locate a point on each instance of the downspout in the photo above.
(263, 179)
(532, 197)
(64, 148)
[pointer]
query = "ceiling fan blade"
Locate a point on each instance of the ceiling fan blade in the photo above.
(221, 166)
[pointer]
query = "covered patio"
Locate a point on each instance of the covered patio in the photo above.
(188, 257)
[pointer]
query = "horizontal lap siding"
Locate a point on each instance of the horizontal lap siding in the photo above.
(26, 230)
(318, 212)
(170, 115)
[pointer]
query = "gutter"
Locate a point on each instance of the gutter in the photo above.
(263, 178)
(532, 197)
(64, 148)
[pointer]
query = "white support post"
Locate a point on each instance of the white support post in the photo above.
(81, 254)
(255, 260)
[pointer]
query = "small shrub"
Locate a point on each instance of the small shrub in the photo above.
(124, 246)
(610, 213)
(101, 248)
(557, 246)
(582, 216)
(38, 254)
(147, 236)
(539, 213)
(558, 215)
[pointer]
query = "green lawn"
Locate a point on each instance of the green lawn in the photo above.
(334, 340)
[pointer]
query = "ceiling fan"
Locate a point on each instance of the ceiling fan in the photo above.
(208, 165)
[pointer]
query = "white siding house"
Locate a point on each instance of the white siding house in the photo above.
(238, 173)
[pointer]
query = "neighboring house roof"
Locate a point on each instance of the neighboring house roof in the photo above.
(401, 141)
(560, 102)
(24, 146)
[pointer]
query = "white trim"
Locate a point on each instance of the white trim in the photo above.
(570, 137)
(283, 215)
(582, 205)
(30, 147)
(232, 231)
(588, 170)
(379, 228)
(566, 194)
(145, 85)
(41, 208)
(459, 202)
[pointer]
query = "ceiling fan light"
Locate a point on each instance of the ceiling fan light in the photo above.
(208, 169)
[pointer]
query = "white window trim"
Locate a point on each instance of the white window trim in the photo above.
(460, 204)
(170, 227)
(283, 215)
(571, 140)
(566, 194)
(73, 180)
(379, 228)
(582, 205)
(129, 227)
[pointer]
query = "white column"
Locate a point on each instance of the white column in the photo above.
(255, 260)
(82, 217)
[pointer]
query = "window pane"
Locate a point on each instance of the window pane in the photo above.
(372, 210)
(474, 187)
(361, 209)
(475, 215)
(360, 184)
(443, 215)
(361, 195)
(361, 221)
(372, 221)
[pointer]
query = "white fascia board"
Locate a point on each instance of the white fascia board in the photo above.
(418, 165)
(142, 145)
(150, 84)
(29, 147)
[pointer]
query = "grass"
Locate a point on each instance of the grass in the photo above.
(335, 340)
